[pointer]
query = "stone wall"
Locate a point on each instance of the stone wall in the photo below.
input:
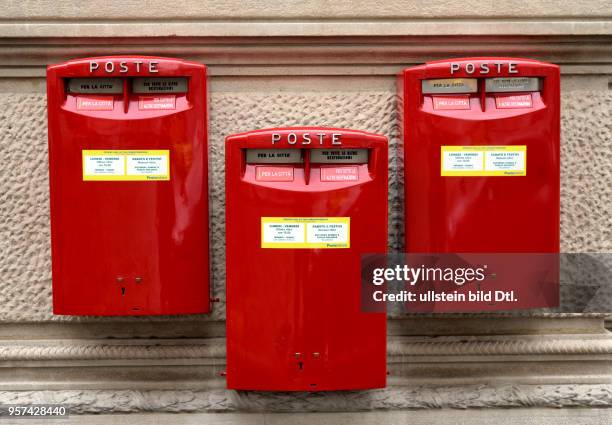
(25, 264)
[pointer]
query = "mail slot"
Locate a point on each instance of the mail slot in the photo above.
(128, 179)
(481, 156)
(302, 205)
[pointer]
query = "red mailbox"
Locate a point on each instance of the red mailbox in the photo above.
(481, 156)
(303, 204)
(128, 178)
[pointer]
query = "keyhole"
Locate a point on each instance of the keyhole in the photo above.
(122, 291)
(300, 365)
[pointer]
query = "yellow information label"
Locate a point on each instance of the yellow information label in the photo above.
(483, 161)
(305, 232)
(126, 165)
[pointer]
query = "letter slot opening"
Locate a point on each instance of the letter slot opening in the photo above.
(449, 85)
(512, 84)
(339, 156)
(274, 156)
(159, 85)
(94, 85)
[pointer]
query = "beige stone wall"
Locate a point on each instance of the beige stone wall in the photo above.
(25, 286)
(329, 63)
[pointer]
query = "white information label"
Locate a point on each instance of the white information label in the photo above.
(104, 165)
(327, 233)
(283, 232)
(462, 161)
(126, 165)
(147, 165)
(306, 232)
(505, 161)
(483, 160)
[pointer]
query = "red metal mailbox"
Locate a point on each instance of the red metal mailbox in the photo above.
(128, 177)
(481, 156)
(303, 204)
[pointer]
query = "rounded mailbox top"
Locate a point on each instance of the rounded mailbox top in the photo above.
(307, 137)
(126, 65)
(484, 67)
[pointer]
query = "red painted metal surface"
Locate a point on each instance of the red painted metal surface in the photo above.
(293, 314)
(128, 247)
(485, 214)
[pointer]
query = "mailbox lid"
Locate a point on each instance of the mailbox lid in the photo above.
(126, 246)
(293, 311)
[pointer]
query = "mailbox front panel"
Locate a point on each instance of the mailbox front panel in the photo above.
(302, 205)
(481, 156)
(128, 178)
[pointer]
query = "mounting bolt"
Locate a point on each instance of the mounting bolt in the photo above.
(315, 354)
(119, 279)
(298, 354)
(138, 279)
